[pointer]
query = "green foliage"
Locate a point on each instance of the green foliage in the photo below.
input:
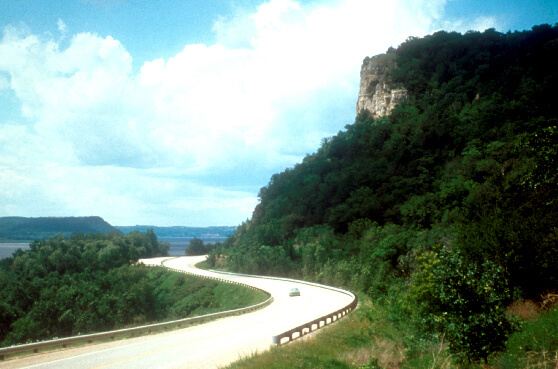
(464, 301)
(67, 286)
(197, 247)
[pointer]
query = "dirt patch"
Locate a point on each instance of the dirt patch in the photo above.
(526, 310)
(390, 355)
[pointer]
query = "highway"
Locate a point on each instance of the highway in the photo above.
(210, 345)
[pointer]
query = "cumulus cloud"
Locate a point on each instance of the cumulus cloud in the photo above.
(190, 139)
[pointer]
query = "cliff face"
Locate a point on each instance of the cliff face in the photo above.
(376, 93)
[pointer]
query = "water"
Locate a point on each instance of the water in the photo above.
(178, 245)
(7, 249)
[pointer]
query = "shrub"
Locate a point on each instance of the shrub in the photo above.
(466, 302)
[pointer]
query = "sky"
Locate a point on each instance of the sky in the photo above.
(166, 112)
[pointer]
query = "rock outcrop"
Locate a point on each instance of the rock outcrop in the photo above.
(376, 93)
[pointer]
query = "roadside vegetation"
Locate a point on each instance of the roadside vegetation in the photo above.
(443, 214)
(83, 284)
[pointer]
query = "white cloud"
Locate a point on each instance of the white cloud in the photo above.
(275, 82)
(484, 23)
(62, 26)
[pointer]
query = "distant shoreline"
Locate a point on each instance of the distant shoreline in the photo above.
(177, 244)
(24, 229)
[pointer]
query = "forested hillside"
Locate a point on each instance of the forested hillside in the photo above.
(21, 228)
(444, 212)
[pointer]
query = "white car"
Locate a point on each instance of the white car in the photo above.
(294, 292)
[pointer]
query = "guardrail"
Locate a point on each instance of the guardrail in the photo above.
(63, 342)
(305, 328)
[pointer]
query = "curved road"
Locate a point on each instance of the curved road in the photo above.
(209, 345)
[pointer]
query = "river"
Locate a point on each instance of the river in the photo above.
(7, 249)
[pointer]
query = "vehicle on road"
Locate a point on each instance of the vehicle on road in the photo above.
(294, 292)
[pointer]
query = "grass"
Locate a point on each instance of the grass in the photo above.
(188, 296)
(203, 265)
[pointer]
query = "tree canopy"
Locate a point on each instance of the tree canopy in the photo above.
(64, 286)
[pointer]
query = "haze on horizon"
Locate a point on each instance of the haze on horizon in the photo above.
(178, 114)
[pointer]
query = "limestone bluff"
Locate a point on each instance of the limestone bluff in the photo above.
(377, 93)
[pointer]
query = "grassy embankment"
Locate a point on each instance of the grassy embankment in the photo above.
(193, 296)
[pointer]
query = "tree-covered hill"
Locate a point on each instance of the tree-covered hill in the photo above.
(22, 228)
(445, 211)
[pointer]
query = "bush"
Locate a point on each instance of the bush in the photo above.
(466, 302)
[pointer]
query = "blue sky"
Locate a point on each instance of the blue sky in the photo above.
(178, 112)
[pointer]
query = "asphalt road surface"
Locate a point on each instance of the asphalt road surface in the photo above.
(210, 345)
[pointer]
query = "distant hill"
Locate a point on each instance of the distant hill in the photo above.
(179, 231)
(22, 228)
(30, 229)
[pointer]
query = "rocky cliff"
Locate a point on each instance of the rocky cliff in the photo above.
(376, 93)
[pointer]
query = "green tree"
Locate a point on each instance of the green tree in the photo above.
(195, 247)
